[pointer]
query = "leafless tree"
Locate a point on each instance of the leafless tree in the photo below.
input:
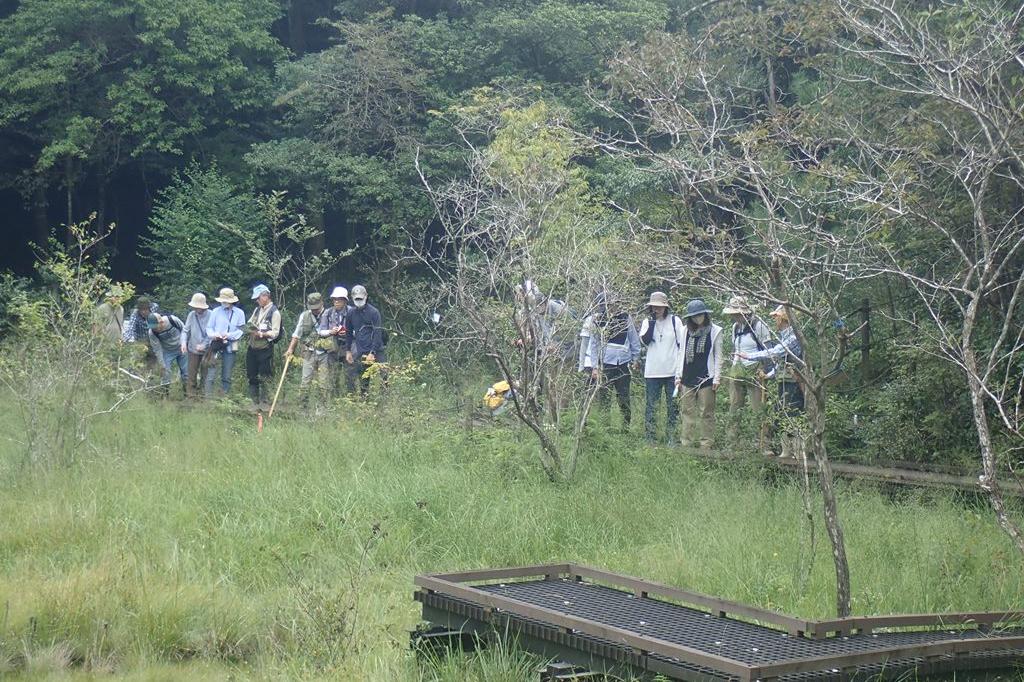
(755, 221)
(518, 253)
(956, 182)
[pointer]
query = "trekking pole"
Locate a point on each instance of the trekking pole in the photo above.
(280, 383)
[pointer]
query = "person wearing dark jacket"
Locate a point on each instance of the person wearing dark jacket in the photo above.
(365, 337)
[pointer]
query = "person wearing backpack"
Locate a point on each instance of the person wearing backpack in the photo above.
(699, 373)
(749, 335)
(614, 347)
(165, 341)
(264, 328)
(314, 350)
(334, 338)
(660, 334)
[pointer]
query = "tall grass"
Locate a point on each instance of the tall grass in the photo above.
(184, 544)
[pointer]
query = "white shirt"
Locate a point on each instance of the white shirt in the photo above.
(664, 349)
(746, 345)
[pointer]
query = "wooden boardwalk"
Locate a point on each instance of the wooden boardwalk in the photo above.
(612, 623)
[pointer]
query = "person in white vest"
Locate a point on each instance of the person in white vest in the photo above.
(698, 374)
(746, 377)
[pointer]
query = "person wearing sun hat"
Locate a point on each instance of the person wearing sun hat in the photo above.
(195, 341)
(264, 329)
(224, 329)
(785, 354)
(660, 333)
(334, 334)
(698, 374)
(745, 377)
(314, 354)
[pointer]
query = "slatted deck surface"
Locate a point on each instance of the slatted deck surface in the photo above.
(692, 644)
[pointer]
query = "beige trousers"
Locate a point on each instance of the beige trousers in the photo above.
(697, 408)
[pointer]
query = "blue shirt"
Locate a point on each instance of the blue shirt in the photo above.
(227, 321)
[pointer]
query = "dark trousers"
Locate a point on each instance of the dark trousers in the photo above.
(259, 366)
(617, 377)
(358, 369)
(791, 398)
(655, 386)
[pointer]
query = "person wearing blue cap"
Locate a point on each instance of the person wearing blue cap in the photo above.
(699, 373)
(264, 329)
(165, 340)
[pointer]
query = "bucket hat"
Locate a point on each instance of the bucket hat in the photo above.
(696, 307)
(737, 304)
(315, 300)
(259, 289)
(658, 298)
(226, 295)
(198, 301)
(340, 292)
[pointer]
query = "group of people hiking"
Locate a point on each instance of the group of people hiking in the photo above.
(685, 361)
(337, 344)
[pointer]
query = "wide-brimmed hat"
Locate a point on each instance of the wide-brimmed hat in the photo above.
(696, 307)
(198, 301)
(737, 305)
(258, 290)
(658, 298)
(358, 293)
(315, 300)
(226, 295)
(341, 292)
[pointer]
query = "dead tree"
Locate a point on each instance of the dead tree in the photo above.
(957, 70)
(518, 252)
(752, 225)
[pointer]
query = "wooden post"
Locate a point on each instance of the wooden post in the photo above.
(865, 342)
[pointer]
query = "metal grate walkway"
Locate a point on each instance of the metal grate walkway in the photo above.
(612, 627)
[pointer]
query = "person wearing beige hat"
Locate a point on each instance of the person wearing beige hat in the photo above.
(195, 341)
(785, 354)
(224, 329)
(745, 377)
(660, 334)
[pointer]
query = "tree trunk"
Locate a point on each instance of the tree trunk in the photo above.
(989, 479)
(815, 406)
(297, 27)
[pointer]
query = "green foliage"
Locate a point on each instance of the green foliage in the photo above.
(186, 236)
(101, 83)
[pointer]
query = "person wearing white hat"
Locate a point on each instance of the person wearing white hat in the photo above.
(195, 341)
(786, 354)
(660, 333)
(745, 377)
(264, 328)
(365, 334)
(224, 329)
(699, 373)
(334, 330)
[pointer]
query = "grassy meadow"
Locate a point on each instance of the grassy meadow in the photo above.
(183, 545)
